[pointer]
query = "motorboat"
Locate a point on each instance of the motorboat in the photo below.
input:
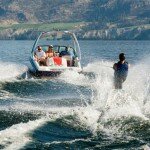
(67, 54)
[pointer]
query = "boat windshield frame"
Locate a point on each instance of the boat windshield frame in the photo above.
(70, 34)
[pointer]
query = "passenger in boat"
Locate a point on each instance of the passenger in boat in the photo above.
(68, 54)
(50, 52)
(40, 56)
(121, 71)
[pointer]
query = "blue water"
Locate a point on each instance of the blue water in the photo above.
(76, 111)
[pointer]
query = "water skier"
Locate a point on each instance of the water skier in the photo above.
(121, 71)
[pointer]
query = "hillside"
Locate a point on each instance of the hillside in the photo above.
(92, 19)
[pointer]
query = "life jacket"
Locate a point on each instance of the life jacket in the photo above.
(121, 70)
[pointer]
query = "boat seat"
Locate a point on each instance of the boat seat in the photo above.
(56, 61)
(69, 60)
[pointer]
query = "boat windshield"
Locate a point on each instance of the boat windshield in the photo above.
(59, 39)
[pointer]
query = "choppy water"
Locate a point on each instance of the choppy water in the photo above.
(76, 111)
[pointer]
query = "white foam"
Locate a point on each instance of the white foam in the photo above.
(133, 100)
(145, 147)
(75, 78)
(88, 117)
(108, 103)
(130, 101)
(11, 70)
(16, 136)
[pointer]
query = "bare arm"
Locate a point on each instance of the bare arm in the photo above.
(115, 66)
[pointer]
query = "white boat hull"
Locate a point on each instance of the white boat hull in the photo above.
(51, 70)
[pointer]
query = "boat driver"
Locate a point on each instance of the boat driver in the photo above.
(40, 56)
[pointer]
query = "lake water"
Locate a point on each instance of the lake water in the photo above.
(76, 111)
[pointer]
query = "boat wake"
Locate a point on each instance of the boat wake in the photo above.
(11, 70)
(104, 117)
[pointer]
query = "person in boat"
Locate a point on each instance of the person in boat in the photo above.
(50, 52)
(40, 56)
(49, 56)
(69, 55)
(120, 71)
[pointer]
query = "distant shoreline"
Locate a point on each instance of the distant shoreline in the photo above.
(78, 40)
(25, 31)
